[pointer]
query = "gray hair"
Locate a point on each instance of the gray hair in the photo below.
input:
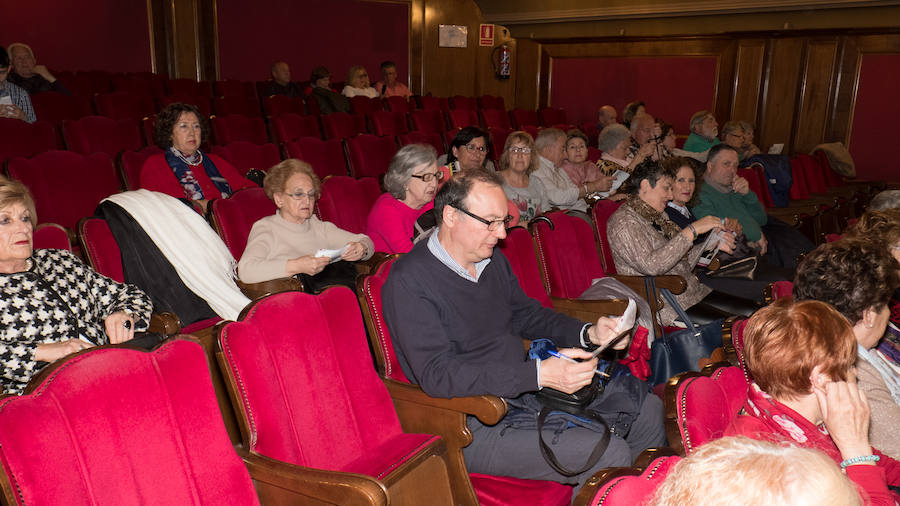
(639, 118)
(547, 137)
(697, 119)
(732, 127)
(611, 136)
(405, 160)
(746, 125)
(888, 199)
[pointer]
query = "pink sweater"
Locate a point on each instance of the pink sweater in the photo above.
(390, 224)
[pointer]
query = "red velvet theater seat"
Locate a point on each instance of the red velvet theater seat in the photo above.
(66, 185)
(99, 134)
(491, 102)
(234, 88)
(365, 105)
(397, 104)
(494, 118)
(433, 103)
(290, 127)
(232, 218)
(123, 105)
(276, 105)
(369, 155)
(189, 87)
(201, 102)
(461, 102)
(387, 123)
(326, 157)
(228, 129)
(121, 426)
(130, 163)
(618, 486)
(307, 395)
(55, 107)
(431, 138)
(523, 117)
(147, 84)
(340, 125)
(428, 121)
(461, 118)
(600, 213)
(551, 116)
(346, 201)
(700, 406)
(223, 106)
(18, 138)
(446, 417)
(247, 155)
(51, 236)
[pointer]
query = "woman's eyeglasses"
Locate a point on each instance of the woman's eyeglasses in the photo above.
(427, 177)
(480, 149)
(520, 151)
(311, 195)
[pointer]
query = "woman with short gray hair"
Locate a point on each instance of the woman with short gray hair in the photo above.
(411, 182)
(614, 141)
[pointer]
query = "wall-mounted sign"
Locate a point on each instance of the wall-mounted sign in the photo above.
(486, 35)
(453, 36)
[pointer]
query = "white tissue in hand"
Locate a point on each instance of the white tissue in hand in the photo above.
(333, 254)
(626, 321)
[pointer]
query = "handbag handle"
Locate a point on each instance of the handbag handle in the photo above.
(670, 298)
(592, 460)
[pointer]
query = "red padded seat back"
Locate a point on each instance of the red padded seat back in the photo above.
(99, 134)
(18, 138)
(247, 155)
(234, 88)
(428, 121)
(121, 426)
(234, 217)
(491, 102)
(365, 105)
(189, 87)
(130, 163)
(122, 105)
(832, 178)
(326, 157)
(100, 248)
(388, 123)
(370, 155)
(433, 103)
(567, 254)
(289, 127)
(201, 102)
(594, 154)
(340, 125)
(86, 84)
(550, 116)
(346, 201)
(600, 214)
(431, 138)
(494, 118)
(236, 127)
(370, 292)
(632, 488)
(461, 102)
(813, 173)
(397, 104)
(238, 104)
(280, 104)
(55, 107)
(145, 84)
(799, 190)
(518, 248)
(782, 289)
(308, 388)
(51, 236)
(461, 118)
(705, 405)
(592, 132)
(522, 117)
(66, 186)
(498, 140)
(531, 130)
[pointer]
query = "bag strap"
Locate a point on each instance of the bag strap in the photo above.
(670, 298)
(550, 457)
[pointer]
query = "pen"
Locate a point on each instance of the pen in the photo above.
(570, 359)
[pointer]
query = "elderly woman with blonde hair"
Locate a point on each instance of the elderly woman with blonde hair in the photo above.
(358, 83)
(518, 162)
(288, 242)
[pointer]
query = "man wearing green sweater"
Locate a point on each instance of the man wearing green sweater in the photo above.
(724, 193)
(704, 132)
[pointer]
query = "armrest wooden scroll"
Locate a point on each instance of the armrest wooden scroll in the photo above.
(282, 483)
(487, 408)
(589, 310)
(166, 324)
(256, 290)
(365, 267)
(588, 491)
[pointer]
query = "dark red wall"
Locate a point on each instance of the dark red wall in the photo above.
(673, 88)
(872, 141)
(107, 35)
(334, 33)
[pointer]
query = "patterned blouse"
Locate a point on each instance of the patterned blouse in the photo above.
(56, 299)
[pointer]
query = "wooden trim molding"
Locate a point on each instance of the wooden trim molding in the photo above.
(673, 9)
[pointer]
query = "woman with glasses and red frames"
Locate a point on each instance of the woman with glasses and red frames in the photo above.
(411, 181)
(468, 150)
(288, 243)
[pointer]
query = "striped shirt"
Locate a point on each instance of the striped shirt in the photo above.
(19, 99)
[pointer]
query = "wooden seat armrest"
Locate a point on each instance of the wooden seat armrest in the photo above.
(254, 291)
(365, 267)
(165, 323)
(647, 456)
(488, 409)
(589, 310)
(588, 491)
(674, 283)
(278, 482)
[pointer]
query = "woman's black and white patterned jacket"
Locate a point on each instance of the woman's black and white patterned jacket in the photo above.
(56, 299)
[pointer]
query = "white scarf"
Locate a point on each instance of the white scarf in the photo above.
(198, 255)
(891, 379)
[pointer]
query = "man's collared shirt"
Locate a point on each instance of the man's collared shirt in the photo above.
(437, 249)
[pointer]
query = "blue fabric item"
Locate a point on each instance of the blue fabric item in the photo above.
(778, 176)
(183, 172)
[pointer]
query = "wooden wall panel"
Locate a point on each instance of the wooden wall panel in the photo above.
(748, 76)
(449, 71)
(527, 74)
(780, 90)
(486, 83)
(816, 88)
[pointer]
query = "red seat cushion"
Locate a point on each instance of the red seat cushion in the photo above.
(705, 405)
(505, 490)
(201, 102)
(120, 426)
(567, 254)
(346, 201)
(234, 217)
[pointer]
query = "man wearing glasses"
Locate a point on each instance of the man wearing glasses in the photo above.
(457, 316)
(14, 101)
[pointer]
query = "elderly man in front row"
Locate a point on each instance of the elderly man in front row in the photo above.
(458, 315)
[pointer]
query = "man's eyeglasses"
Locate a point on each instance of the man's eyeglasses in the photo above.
(492, 225)
(472, 147)
(427, 177)
(311, 195)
